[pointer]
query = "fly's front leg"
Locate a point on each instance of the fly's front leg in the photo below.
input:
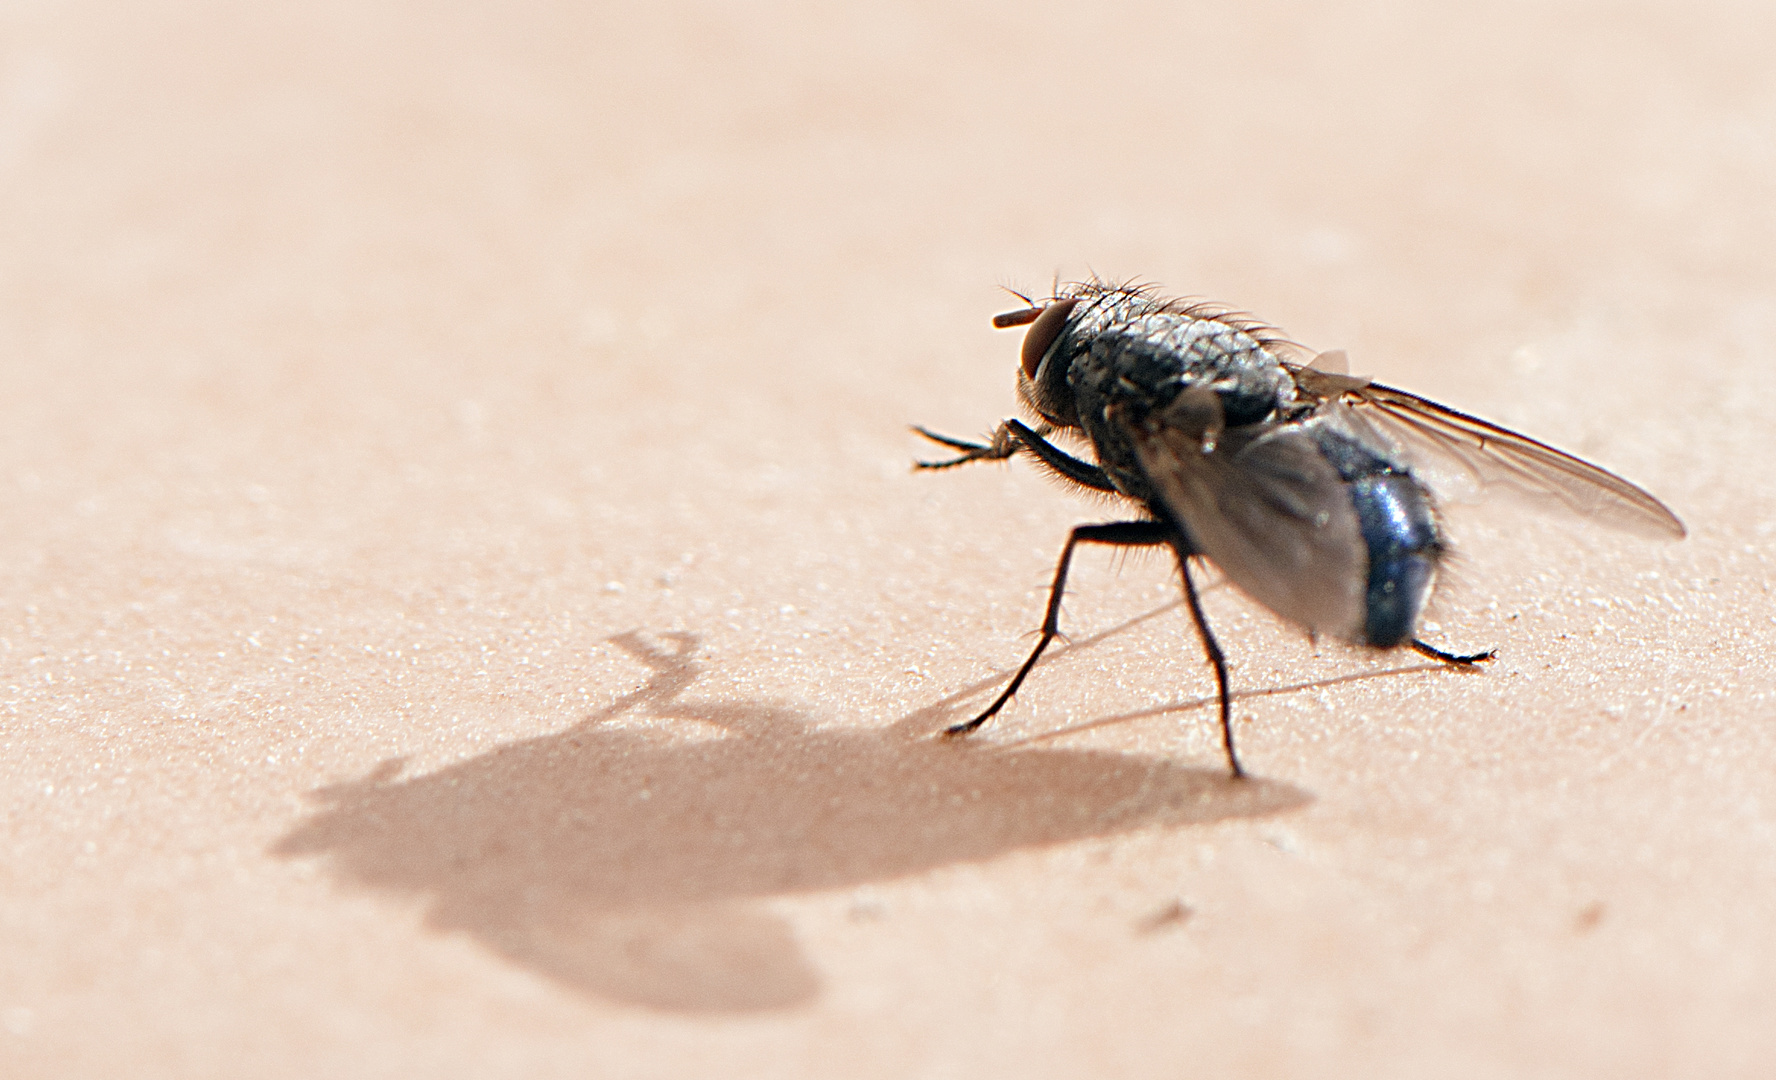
(1061, 463)
(1004, 444)
(1120, 534)
(1015, 435)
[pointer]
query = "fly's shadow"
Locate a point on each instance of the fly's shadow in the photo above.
(633, 862)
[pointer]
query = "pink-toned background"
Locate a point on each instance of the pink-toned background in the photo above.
(465, 609)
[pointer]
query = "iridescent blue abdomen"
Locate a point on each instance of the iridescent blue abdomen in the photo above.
(1400, 530)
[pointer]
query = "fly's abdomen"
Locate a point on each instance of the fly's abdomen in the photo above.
(1400, 530)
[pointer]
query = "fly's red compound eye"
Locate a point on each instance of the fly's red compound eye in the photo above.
(1045, 325)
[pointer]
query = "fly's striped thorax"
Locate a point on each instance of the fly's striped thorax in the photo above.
(1128, 361)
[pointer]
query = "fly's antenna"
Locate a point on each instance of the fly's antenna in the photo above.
(1022, 316)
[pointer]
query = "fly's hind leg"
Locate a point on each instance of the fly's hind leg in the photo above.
(1120, 534)
(1434, 653)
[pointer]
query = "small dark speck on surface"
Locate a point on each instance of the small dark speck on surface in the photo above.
(1174, 914)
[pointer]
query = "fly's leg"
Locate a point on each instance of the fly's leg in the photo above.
(1213, 649)
(1003, 445)
(1008, 439)
(1119, 533)
(1061, 463)
(1450, 658)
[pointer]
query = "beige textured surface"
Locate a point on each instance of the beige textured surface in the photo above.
(465, 611)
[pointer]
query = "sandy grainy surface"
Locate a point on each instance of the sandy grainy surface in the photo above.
(465, 609)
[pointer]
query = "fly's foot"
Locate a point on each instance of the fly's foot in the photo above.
(1004, 444)
(1451, 658)
(966, 726)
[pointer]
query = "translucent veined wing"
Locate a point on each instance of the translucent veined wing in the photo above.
(1267, 508)
(1491, 454)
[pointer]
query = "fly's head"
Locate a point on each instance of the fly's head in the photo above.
(1047, 352)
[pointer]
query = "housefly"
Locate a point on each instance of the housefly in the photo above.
(1301, 483)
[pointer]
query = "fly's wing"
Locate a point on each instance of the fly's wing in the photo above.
(1268, 509)
(1492, 455)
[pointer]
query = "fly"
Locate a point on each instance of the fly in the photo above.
(1235, 446)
